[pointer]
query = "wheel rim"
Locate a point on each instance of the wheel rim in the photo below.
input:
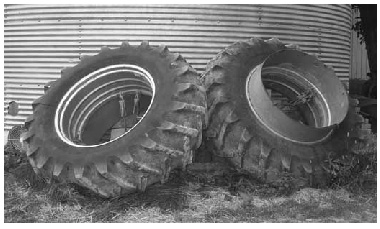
(90, 95)
(330, 98)
(297, 95)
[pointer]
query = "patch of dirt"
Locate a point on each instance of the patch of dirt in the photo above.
(185, 198)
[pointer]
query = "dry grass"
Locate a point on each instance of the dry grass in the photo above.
(186, 202)
(185, 198)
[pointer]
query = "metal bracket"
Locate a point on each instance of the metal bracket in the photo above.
(136, 103)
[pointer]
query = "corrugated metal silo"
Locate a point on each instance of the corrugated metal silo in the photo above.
(39, 40)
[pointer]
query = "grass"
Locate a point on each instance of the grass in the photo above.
(185, 198)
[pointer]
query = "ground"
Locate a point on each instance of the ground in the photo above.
(185, 198)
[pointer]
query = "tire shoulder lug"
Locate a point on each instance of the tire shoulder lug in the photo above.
(163, 50)
(104, 49)
(31, 149)
(144, 44)
(58, 167)
(125, 44)
(41, 160)
(25, 137)
(143, 183)
(101, 166)
(286, 161)
(177, 105)
(126, 158)
(307, 167)
(179, 128)
(78, 171)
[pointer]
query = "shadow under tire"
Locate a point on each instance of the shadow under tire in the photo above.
(251, 134)
(83, 103)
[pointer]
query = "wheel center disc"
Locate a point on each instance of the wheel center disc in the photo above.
(100, 101)
(311, 82)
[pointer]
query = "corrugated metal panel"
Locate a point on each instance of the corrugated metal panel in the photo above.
(359, 61)
(39, 40)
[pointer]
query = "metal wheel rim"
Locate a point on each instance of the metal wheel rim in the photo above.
(63, 113)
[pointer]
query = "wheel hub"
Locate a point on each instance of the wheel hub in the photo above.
(310, 82)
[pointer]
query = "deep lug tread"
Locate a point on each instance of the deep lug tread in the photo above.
(153, 146)
(78, 171)
(307, 167)
(38, 101)
(41, 159)
(173, 57)
(166, 150)
(58, 167)
(65, 72)
(144, 44)
(293, 46)
(180, 68)
(229, 120)
(286, 161)
(24, 136)
(184, 87)
(125, 44)
(303, 163)
(179, 128)
(214, 123)
(84, 57)
(149, 164)
(32, 149)
(121, 181)
(101, 166)
(28, 120)
(242, 143)
(125, 158)
(218, 76)
(163, 50)
(104, 49)
(265, 153)
(146, 161)
(237, 139)
(176, 105)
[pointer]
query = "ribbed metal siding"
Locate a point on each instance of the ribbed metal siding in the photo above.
(39, 40)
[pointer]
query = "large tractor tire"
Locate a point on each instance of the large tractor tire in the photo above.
(65, 134)
(251, 133)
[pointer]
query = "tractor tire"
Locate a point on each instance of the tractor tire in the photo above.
(248, 132)
(83, 101)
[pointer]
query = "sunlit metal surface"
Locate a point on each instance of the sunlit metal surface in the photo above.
(39, 40)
